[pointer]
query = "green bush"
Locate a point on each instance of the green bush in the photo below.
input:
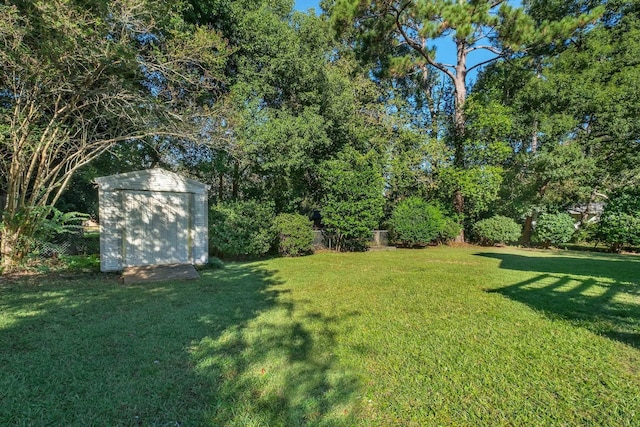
(414, 222)
(450, 230)
(496, 230)
(587, 233)
(81, 263)
(295, 234)
(214, 263)
(620, 221)
(554, 229)
(352, 200)
(53, 232)
(618, 229)
(240, 229)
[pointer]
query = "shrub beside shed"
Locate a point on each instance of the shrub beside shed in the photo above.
(152, 217)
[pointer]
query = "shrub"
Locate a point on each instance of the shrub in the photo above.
(414, 222)
(554, 229)
(450, 230)
(240, 229)
(587, 233)
(496, 230)
(214, 263)
(81, 263)
(295, 234)
(353, 198)
(620, 221)
(618, 229)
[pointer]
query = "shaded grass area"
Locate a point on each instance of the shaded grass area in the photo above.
(218, 351)
(441, 336)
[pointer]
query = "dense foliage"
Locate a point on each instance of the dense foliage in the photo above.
(415, 222)
(554, 229)
(347, 113)
(240, 229)
(620, 222)
(496, 230)
(353, 201)
(295, 234)
(450, 230)
(76, 79)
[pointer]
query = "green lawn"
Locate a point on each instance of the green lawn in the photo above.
(441, 336)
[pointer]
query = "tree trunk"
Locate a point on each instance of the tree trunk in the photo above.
(220, 186)
(235, 180)
(534, 137)
(528, 222)
(9, 249)
(527, 231)
(460, 125)
(458, 206)
(460, 96)
(431, 103)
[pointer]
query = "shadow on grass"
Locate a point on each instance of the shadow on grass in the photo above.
(600, 293)
(222, 350)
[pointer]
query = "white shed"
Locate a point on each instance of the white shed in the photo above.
(152, 217)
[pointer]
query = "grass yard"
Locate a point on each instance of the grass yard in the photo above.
(441, 336)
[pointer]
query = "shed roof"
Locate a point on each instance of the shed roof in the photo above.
(156, 179)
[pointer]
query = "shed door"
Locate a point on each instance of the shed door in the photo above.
(156, 228)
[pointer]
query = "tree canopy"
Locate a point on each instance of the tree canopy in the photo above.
(78, 78)
(269, 104)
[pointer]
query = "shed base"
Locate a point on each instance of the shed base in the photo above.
(157, 273)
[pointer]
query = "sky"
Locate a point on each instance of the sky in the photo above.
(446, 50)
(304, 5)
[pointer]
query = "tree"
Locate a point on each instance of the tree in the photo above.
(352, 198)
(76, 78)
(470, 25)
(411, 27)
(297, 99)
(574, 110)
(598, 80)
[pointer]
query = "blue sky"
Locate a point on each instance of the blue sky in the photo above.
(304, 5)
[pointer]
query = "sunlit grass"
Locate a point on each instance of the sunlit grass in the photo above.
(441, 336)
(447, 336)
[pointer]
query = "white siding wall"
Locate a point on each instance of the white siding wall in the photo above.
(200, 236)
(110, 231)
(112, 212)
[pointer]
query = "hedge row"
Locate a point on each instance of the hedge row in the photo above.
(250, 228)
